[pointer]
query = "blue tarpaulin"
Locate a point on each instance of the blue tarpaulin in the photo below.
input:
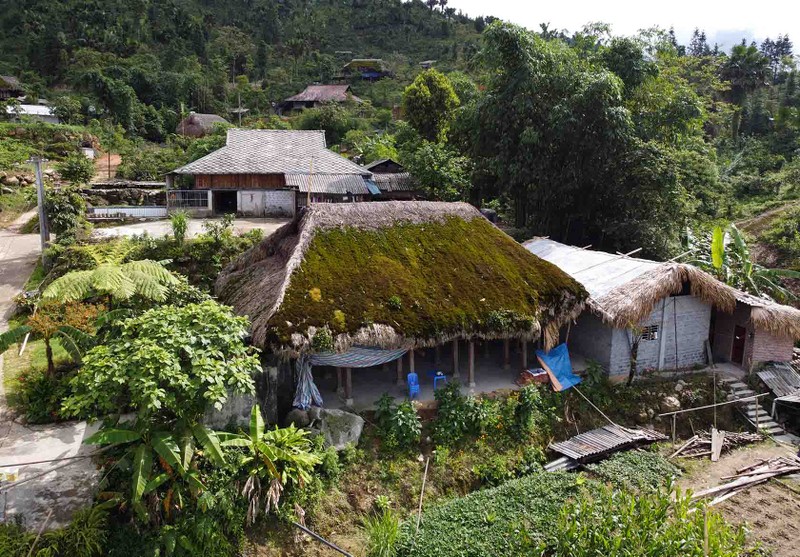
(357, 357)
(558, 366)
(372, 187)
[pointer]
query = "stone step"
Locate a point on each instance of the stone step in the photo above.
(762, 414)
(737, 385)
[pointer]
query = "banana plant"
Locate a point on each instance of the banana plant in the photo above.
(727, 256)
(273, 459)
(159, 458)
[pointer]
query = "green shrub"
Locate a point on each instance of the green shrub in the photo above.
(620, 523)
(179, 220)
(637, 470)
(398, 426)
(84, 536)
(77, 168)
(457, 417)
(483, 522)
(65, 209)
(382, 528)
(39, 395)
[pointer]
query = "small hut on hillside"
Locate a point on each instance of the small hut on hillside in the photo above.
(667, 314)
(198, 125)
(362, 284)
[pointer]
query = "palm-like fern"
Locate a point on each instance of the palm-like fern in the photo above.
(112, 277)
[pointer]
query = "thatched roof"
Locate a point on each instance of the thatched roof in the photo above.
(395, 274)
(324, 93)
(625, 290)
(198, 125)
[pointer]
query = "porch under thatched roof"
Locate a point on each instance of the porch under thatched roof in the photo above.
(395, 275)
(624, 290)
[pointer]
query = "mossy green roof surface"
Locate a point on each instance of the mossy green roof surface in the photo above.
(426, 281)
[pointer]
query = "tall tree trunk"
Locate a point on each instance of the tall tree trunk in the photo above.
(48, 350)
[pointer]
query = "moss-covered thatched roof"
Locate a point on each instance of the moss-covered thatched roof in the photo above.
(394, 274)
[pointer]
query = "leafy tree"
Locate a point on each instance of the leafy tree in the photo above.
(65, 209)
(112, 277)
(76, 168)
(429, 103)
(69, 323)
(625, 58)
(441, 172)
(698, 46)
(168, 363)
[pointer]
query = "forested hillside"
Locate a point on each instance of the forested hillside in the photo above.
(142, 60)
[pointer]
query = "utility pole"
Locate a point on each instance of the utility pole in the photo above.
(44, 230)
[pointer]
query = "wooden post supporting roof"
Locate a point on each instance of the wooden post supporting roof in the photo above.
(506, 354)
(348, 387)
(455, 358)
(411, 367)
(524, 354)
(471, 365)
(339, 381)
(401, 380)
(437, 359)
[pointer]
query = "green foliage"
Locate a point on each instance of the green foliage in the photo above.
(382, 529)
(399, 425)
(617, 523)
(457, 416)
(84, 536)
(39, 395)
(428, 104)
(483, 522)
(77, 168)
(441, 172)
(784, 235)
(108, 275)
(725, 254)
(335, 119)
(423, 266)
(168, 362)
(637, 470)
(272, 460)
(14, 152)
(65, 209)
(151, 163)
(179, 220)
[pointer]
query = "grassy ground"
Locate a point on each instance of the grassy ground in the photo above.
(33, 358)
(13, 205)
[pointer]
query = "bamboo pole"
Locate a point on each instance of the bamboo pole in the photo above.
(455, 358)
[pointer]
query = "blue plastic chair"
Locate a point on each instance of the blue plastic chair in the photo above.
(413, 385)
(437, 376)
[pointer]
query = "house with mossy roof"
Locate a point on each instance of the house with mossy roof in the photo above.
(357, 286)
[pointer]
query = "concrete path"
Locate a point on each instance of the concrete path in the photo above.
(158, 228)
(63, 490)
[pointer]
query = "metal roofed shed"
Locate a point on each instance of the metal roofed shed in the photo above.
(598, 443)
(331, 184)
(666, 310)
(782, 380)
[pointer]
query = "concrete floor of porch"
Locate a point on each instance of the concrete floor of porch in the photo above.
(369, 384)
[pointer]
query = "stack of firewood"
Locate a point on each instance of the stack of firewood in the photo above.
(715, 442)
(748, 476)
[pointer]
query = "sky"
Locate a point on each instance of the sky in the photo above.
(724, 22)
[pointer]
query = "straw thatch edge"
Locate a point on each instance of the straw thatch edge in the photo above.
(634, 301)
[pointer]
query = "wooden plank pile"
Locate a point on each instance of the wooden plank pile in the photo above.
(714, 443)
(749, 476)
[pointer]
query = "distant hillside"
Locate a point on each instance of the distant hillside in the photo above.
(223, 38)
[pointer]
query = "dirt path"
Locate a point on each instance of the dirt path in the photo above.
(757, 224)
(770, 512)
(65, 490)
(102, 165)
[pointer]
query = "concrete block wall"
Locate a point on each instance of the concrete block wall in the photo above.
(269, 203)
(768, 347)
(692, 325)
(591, 338)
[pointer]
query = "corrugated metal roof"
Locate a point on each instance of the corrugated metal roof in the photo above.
(273, 152)
(781, 379)
(333, 184)
(593, 444)
(598, 271)
(399, 181)
(324, 93)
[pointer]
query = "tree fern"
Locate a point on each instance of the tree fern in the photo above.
(121, 281)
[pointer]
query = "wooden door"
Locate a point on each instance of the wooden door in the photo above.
(739, 338)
